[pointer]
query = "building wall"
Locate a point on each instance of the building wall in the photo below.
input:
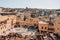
(13, 19)
(22, 23)
(43, 27)
(33, 20)
(27, 14)
(51, 29)
(20, 16)
(57, 26)
(8, 25)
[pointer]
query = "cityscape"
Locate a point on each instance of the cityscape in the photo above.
(29, 24)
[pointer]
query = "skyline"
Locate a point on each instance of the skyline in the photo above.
(44, 4)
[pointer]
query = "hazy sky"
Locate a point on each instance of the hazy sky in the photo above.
(30, 3)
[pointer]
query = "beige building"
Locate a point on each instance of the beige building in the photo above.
(22, 23)
(51, 28)
(43, 27)
(57, 25)
(27, 14)
(13, 19)
(33, 20)
(28, 21)
(20, 16)
(7, 22)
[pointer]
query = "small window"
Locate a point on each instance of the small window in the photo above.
(42, 27)
(17, 22)
(31, 19)
(5, 26)
(34, 21)
(58, 28)
(26, 23)
(5, 22)
(59, 23)
(45, 27)
(37, 21)
(3, 31)
(1, 28)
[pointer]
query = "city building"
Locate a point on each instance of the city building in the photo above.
(43, 27)
(57, 25)
(7, 22)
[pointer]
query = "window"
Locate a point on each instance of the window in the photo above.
(5, 26)
(25, 18)
(17, 22)
(45, 27)
(18, 16)
(3, 31)
(1, 28)
(5, 22)
(59, 23)
(42, 27)
(33, 16)
(26, 23)
(58, 28)
(31, 19)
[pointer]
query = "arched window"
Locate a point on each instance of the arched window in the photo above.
(42, 27)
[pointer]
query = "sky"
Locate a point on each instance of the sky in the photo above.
(44, 4)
